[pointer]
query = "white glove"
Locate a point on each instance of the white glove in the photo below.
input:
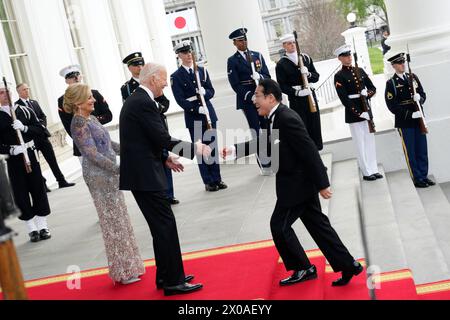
(417, 98)
(256, 76)
(364, 93)
(303, 93)
(202, 91)
(15, 151)
(304, 70)
(18, 125)
(202, 110)
(417, 115)
(365, 115)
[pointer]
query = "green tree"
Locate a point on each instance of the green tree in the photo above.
(364, 8)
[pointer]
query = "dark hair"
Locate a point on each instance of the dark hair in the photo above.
(271, 87)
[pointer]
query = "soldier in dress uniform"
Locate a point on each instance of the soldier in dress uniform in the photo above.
(43, 144)
(28, 188)
(401, 101)
(186, 92)
(72, 74)
(243, 79)
(289, 76)
(347, 85)
(135, 63)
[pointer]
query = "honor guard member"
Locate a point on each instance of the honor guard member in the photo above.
(43, 144)
(347, 85)
(243, 79)
(401, 101)
(187, 94)
(28, 188)
(135, 63)
(72, 74)
(289, 76)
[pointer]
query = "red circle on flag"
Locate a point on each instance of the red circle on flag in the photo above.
(180, 22)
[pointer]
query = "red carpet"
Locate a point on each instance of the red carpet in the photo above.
(243, 272)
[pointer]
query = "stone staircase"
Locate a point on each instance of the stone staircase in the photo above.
(405, 228)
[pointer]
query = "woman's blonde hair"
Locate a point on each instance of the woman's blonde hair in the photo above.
(75, 95)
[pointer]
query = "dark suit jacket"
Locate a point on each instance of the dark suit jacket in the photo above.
(301, 172)
(101, 112)
(143, 138)
(239, 76)
(184, 87)
(39, 114)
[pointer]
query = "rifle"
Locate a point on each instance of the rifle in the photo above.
(199, 86)
(311, 101)
(412, 83)
(250, 60)
(26, 158)
(359, 83)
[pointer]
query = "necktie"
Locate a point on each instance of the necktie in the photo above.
(29, 104)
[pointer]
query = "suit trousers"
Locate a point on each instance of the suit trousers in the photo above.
(46, 148)
(320, 229)
(365, 147)
(166, 245)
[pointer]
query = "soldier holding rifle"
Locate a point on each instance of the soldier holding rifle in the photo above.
(355, 89)
(404, 98)
(294, 76)
(193, 90)
(18, 127)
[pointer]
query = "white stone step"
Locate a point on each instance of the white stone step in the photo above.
(343, 207)
(437, 209)
(383, 233)
(423, 254)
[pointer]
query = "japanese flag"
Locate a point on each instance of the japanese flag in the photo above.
(182, 22)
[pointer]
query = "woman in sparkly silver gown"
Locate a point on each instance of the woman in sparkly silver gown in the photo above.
(101, 174)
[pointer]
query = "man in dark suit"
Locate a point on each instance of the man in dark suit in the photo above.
(42, 143)
(143, 139)
(245, 69)
(72, 74)
(301, 176)
(290, 78)
(186, 92)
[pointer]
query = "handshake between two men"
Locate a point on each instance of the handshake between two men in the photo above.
(201, 150)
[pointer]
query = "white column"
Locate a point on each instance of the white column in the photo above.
(161, 41)
(5, 64)
(358, 35)
(49, 48)
(218, 19)
(426, 28)
(102, 52)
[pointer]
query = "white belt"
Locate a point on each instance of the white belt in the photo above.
(354, 96)
(28, 145)
(192, 99)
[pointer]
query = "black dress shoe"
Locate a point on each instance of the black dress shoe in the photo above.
(174, 201)
(370, 178)
(65, 184)
(160, 283)
(300, 276)
(421, 184)
(378, 176)
(211, 187)
(44, 234)
(222, 185)
(34, 236)
(348, 275)
(183, 288)
(429, 182)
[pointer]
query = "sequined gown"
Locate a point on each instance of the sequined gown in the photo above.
(101, 174)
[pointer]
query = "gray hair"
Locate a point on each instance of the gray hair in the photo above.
(150, 69)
